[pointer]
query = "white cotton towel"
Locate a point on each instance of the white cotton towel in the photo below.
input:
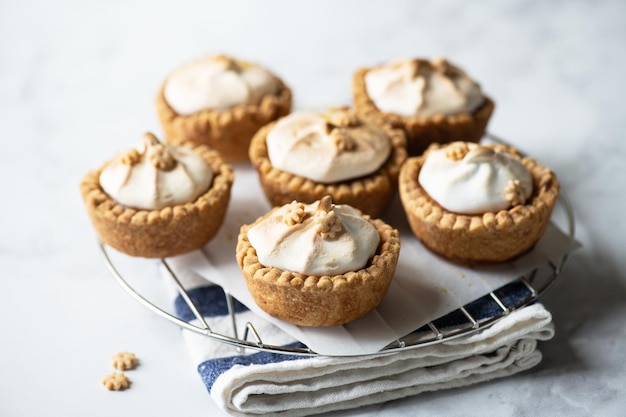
(315, 385)
(270, 384)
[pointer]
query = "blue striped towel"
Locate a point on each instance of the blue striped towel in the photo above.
(273, 384)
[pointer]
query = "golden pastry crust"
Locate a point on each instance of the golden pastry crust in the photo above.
(166, 232)
(422, 131)
(371, 194)
(479, 239)
(228, 131)
(320, 301)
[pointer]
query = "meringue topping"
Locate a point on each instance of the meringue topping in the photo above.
(467, 178)
(156, 175)
(420, 87)
(327, 148)
(217, 82)
(315, 239)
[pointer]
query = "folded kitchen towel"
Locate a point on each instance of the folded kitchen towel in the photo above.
(274, 384)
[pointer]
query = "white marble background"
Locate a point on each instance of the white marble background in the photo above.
(77, 82)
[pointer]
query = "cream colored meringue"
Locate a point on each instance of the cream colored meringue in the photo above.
(422, 88)
(473, 179)
(156, 175)
(315, 239)
(327, 148)
(217, 82)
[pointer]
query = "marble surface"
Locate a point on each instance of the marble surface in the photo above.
(77, 82)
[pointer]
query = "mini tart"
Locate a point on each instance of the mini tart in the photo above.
(228, 131)
(370, 194)
(320, 300)
(160, 233)
(422, 131)
(479, 239)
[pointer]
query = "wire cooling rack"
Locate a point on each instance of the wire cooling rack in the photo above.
(468, 319)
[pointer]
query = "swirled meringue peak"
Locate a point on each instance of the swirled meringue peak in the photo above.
(156, 175)
(327, 147)
(467, 178)
(315, 239)
(419, 87)
(217, 82)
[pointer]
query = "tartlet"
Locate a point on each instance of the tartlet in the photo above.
(484, 237)
(324, 299)
(462, 116)
(321, 140)
(169, 229)
(212, 113)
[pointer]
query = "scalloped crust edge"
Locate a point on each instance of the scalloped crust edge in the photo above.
(479, 239)
(422, 131)
(320, 301)
(371, 194)
(166, 232)
(227, 131)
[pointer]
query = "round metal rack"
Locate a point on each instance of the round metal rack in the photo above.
(468, 319)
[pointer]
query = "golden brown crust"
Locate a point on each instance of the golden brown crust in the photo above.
(474, 239)
(227, 131)
(422, 131)
(160, 233)
(320, 301)
(370, 194)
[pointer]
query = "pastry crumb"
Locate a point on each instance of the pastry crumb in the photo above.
(514, 193)
(124, 360)
(116, 381)
(295, 214)
(457, 151)
(329, 225)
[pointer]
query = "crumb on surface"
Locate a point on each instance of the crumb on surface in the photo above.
(124, 360)
(116, 381)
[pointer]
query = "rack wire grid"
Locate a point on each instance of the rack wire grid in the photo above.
(468, 319)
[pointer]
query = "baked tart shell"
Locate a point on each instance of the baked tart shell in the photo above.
(228, 131)
(492, 237)
(307, 300)
(160, 233)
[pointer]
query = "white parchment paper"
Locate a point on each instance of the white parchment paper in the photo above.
(424, 287)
